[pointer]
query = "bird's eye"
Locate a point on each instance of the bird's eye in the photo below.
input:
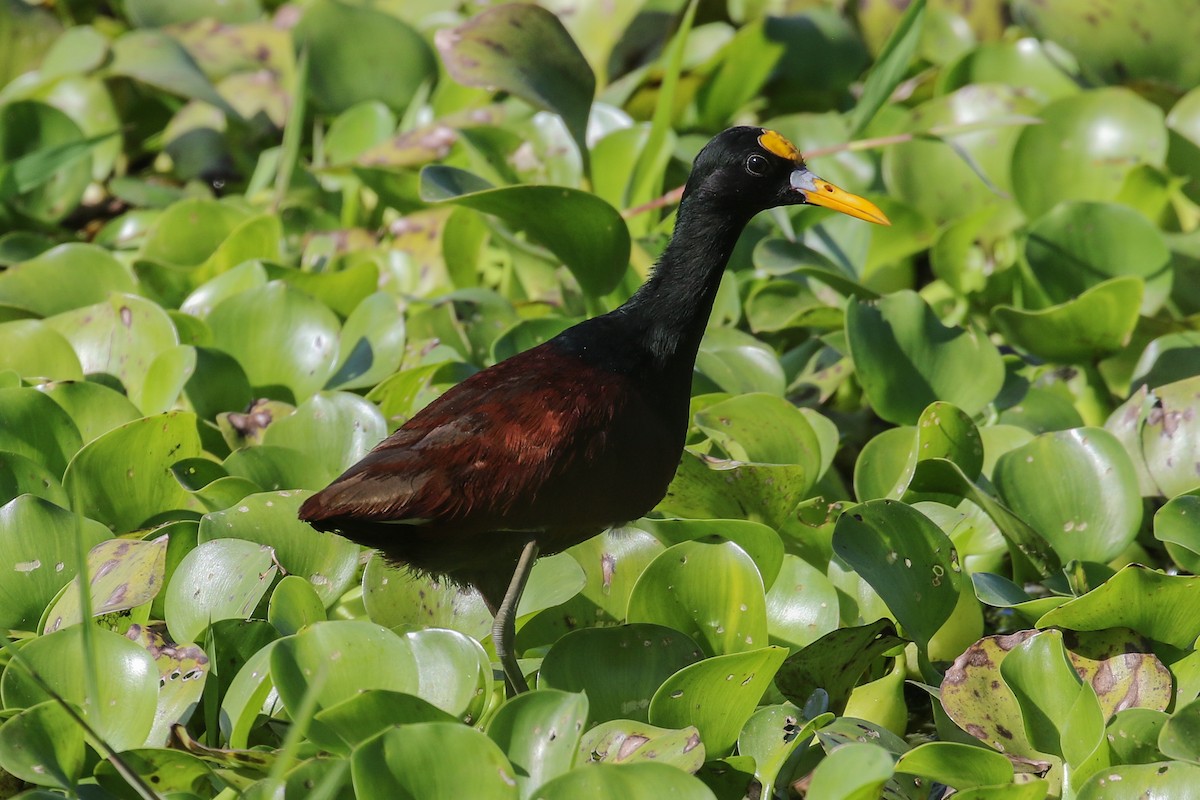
(756, 165)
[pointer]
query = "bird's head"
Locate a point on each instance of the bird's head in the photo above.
(753, 169)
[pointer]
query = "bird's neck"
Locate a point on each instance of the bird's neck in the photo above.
(674, 304)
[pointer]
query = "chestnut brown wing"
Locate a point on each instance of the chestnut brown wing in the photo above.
(537, 442)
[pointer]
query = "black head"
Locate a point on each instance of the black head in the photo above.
(746, 170)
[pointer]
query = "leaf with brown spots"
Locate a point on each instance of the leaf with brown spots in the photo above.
(1119, 665)
(835, 662)
(124, 574)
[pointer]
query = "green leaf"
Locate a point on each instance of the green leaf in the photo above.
(1169, 439)
(1084, 148)
(1045, 685)
(716, 695)
(432, 760)
(333, 429)
(711, 592)
(38, 542)
(122, 714)
(124, 477)
(581, 229)
(906, 559)
(539, 733)
(1153, 604)
(890, 66)
(33, 349)
(65, 277)
(1095, 325)
(835, 662)
(627, 781)
(373, 711)
(44, 745)
(524, 50)
(1081, 245)
(124, 574)
(853, 771)
(624, 741)
(802, 604)
(1174, 779)
(619, 668)
(1093, 511)
(183, 670)
(294, 605)
(156, 59)
(906, 359)
(1177, 526)
(325, 560)
(221, 579)
(958, 765)
(284, 339)
(34, 426)
(44, 163)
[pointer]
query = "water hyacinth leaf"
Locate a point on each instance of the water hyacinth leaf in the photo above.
(33, 349)
(851, 771)
(1169, 437)
(738, 363)
(709, 488)
(326, 560)
(453, 672)
(80, 275)
(206, 296)
(619, 668)
(958, 765)
(294, 605)
(119, 337)
(37, 543)
(21, 475)
(124, 574)
(246, 694)
(45, 160)
(835, 662)
(539, 733)
(182, 671)
(760, 541)
(394, 596)
(633, 781)
(1084, 148)
(1046, 686)
(977, 699)
(762, 428)
(340, 659)
(1123, 44)
(716, 695)
(124, 711)
(947, 176)
(802, 604)
(1153, 604)
(371, 344)
(333, 428)
(168, 771)
(1177, 526)
(891, 66)
(711, 592)
(1080, 245)
(624, 741)
(582, 230)
(524, 50)
(1093, 511)
(220, 579)
(157, 59)
(1026, 63)
(612, 562)
(95, 408)
(1174, 779)
(360, 54)
(900, 333)
(34, 426)
(1121, 669)
(284, 339)
(938, 475)
(1133, 735)
(773, 734)
(1180, 736)
(373, 711)
(1095, 325)
(43, 745)
(432, 759)
(906, 559)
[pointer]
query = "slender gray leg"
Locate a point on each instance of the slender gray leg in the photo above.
(504, 630)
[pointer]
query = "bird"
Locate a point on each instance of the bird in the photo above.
(583, 432)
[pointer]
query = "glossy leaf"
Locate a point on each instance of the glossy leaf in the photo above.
(432, 759)
(539, 732)
(221, 579)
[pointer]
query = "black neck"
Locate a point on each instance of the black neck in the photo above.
(675, 302)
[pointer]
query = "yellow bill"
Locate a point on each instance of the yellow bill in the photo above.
(820, 192)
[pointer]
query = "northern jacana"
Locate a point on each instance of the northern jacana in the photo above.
(556, 444)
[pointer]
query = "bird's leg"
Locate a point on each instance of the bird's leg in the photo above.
(504, 629)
